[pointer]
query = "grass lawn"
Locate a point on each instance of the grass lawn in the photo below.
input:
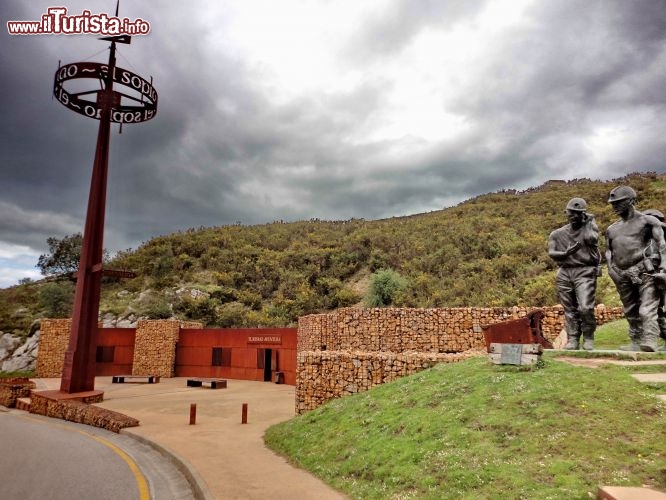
(612, 335)
(475, 430)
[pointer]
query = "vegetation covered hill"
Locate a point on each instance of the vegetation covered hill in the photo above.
(487, 251)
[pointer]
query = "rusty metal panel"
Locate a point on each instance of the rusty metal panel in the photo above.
(109, 369)
(124, 355)
(289, 377)
(244, 358)
(526, 330)
(116, 336)
(240, 337)
(287, 360)
(194, 356)
(195, 371)
(122, 339)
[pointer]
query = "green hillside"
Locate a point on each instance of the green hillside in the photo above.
(487, 251)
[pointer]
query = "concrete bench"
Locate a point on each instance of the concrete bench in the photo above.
(139, 379)
(213, 383)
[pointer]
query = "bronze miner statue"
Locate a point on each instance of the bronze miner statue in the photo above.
(575, 248)
(636, 257)
(661, 313)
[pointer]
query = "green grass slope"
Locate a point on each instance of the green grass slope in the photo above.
(474, 430)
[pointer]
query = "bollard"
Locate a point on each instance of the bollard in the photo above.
(244, 417)
(193, 414)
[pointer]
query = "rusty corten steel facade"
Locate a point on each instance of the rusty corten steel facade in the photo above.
(79, 365)
(194, 353)
(122, 340)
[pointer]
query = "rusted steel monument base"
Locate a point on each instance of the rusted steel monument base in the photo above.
(89, 397)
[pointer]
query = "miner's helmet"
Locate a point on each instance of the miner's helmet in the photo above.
(577, 204)
(654, 213)
(621, 193)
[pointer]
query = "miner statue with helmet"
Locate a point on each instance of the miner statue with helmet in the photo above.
(636, 257)
(575, 249)
(661, 315)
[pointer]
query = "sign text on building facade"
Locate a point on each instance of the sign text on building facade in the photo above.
(264, 339)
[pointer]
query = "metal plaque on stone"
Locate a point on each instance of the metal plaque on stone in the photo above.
(514, 354)
(511, 354)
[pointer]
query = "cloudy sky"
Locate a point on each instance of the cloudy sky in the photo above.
(299, 109)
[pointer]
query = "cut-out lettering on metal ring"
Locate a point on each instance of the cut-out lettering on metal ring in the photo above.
(138, 106)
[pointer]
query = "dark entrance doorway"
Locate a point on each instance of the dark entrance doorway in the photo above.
(265, 361)
(268, 365)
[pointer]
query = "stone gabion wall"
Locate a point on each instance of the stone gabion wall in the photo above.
(53, 341)
(422, 330)
(325, 375)
(351, 350)
(155, 346)
(13, 388)
(82, 412)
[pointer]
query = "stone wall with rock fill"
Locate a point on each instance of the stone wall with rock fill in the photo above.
(154, 349)
(81, 410)
(13, 388)
(351, 350)
(53, 341)
(155, 346)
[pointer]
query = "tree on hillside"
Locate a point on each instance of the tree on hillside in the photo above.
(385, 285)
(63, 256)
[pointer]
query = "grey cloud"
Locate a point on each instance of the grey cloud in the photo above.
(30, 226)
(222, 150)
(387, 32)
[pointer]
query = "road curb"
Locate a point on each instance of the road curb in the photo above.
(199, 488)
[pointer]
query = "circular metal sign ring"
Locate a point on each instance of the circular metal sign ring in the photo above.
(145, 106)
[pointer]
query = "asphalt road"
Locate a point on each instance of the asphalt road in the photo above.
(46, 458)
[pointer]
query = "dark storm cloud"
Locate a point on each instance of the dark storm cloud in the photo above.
(225, 147)
(27, 227)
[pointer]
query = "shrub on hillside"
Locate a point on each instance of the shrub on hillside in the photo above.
(157, 308)
(201, 309)
(385, 285)
(56, 299)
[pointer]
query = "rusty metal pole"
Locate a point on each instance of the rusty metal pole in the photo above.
(193, 413)
(244, 414)
(79, 366)
(79, 363)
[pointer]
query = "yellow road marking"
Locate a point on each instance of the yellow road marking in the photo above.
(141, 482)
